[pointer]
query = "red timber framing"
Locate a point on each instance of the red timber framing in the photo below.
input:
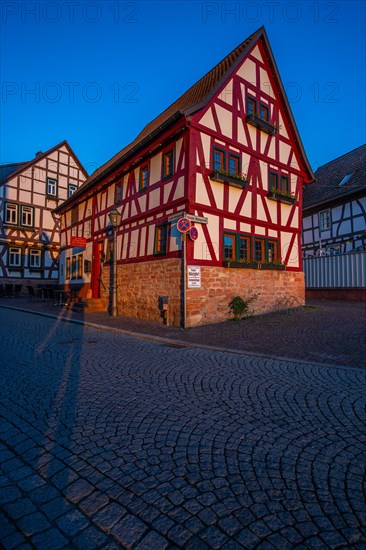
(238, 109)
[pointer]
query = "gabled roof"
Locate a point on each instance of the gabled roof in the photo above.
(328, 178)
(195, 98)
(21, 166)
(7, 169)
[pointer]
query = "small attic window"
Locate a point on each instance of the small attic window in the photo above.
(345, 180)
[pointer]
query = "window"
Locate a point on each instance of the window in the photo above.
(324, 220)
(15, 257)
(279, 182)
(236, 247)
(259, 250)
(118, 193)
(345, 180)
(222, 161)
(244, 248)
(144, 178)
(35, 258)
(284, 184)
(234, 164)
(68, 271)
(161, 235)
(71, 188)
(80, 266)
(168, 164)
(229, 247)
(51, 188)
(219, 159)
(264, 112)
(272, 251)
(27, 214)
(73, 267)
(75, 215)
(252, 109)
(251, 106)
(11, 213)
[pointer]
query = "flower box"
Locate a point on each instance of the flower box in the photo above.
(274, 267)
(261, 124)
(253, 265)
(281, 198)
(242, 265)
(235, 181)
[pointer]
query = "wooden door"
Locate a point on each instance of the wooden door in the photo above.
(97, 268)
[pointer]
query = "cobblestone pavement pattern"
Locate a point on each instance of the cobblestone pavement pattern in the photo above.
(328, 332)
(108, 441)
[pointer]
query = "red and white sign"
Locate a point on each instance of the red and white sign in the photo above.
(193, 233)
(78, 242)
(184, 225)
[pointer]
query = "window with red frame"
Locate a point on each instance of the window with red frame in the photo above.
(168, 164)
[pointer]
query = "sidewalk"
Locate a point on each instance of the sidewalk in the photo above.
(328, 332)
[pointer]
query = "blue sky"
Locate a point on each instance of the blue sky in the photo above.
(95, 72)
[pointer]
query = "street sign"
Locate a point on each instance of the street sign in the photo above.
(193, 233)
(194, 276)
(184, 225)
(79, 242)
(176, 216)
(197, 219)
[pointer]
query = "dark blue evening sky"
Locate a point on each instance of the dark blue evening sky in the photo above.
(95, 72)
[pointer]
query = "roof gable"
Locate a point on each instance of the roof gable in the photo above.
(22, 166)
(328, 179)
(194, 99)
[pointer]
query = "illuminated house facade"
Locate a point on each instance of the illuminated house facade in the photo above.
(228, 157)
(29, 230)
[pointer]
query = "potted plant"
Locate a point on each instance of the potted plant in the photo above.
(241, 264)
(240, 308)
(276, 265)
(236, 180)
(282, 196)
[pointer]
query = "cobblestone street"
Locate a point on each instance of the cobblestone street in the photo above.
(110, 441)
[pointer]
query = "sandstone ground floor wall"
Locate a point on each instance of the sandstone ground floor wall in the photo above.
(276, 290)
(140, 285)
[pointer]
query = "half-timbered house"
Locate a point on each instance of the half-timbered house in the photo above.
(227, 157)
(334, 229)
(334, 209)
(29, 230)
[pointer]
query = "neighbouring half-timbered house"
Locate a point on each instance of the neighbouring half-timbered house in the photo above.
(334, 209)
(227, 157)
(29, 229)
(334, 229)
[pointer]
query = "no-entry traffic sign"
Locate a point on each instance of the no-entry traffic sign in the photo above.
(184, 225)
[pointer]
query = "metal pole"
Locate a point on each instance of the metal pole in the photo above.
(114, 287)
(184, 237)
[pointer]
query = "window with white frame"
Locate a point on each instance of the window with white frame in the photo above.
(15, 256)
(27, 216)
(324, 220)
(11, 213)
(71, 188)
(35, 258)
(51, 188)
